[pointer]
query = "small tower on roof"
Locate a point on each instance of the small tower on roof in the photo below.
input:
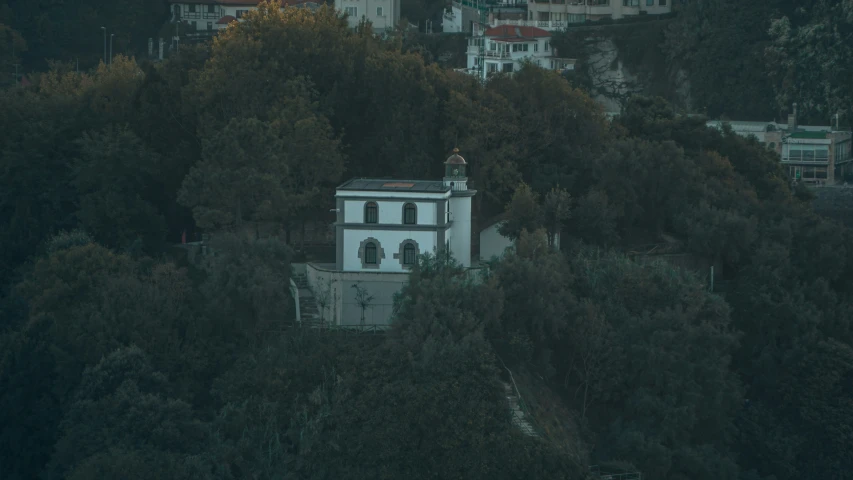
(454, 172)
(458, 208)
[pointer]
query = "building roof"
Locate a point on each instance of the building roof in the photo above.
(455, 159)
(393, 185)
(226, 20)
(507, 32)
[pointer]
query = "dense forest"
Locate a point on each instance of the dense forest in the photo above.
(119, 359)
(783, 51)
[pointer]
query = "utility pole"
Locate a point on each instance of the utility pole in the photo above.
(105, 44)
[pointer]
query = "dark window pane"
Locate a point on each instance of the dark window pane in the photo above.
(371, 213)
(370, 254)
(410, 214)
(409, 254)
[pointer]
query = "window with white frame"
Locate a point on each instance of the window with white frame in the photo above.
(351, 11)
(379, 12)
(240, 13)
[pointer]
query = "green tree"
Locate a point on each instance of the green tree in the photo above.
(241, 172)
(818, 36)
(247, 287)
(523, 213)
(121, 412)
(113, 177)
(556, 212)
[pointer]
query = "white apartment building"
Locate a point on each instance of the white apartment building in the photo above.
(812, 154)
(557, 14)
(212, 15)
(505, 48)
(384, 15)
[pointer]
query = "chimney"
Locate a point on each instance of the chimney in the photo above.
(792, 119)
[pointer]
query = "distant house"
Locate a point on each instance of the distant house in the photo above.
(212, 15)
(557, 14)
(810, 154)
(382, 226)
(471, 16)
(505, 48)
(493, 244)
(384, 15)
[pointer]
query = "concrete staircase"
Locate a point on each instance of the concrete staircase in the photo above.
(518, 418)
(307, 305)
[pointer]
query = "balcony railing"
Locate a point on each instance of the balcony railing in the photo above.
(496, 54)
(543, 24)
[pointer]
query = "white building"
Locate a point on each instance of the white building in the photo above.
(382, 227)
(384, 15)
(504, 48)
(813, 154)
(212, 15)
(467, 16)
(556, 14)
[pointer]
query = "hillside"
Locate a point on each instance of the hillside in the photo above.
(835, 203)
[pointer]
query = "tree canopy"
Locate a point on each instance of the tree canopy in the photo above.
(123, 357)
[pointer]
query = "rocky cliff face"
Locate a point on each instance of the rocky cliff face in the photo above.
(619, 60)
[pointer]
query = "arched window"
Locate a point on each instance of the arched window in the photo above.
(371, 213)
(410, 214)
(370, 253)
(410, 254)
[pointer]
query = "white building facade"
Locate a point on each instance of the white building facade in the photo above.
(812, 154)
(212, 15)
(384, 15)
(556, 14)
(503, 49)
(382, 227)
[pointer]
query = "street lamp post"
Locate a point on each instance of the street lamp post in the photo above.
(111, 47)
(105, 44)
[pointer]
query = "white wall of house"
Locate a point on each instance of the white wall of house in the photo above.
(497, 55)
(460, 243)
(390, 211)
(383, 14)
(492, 243)
(205, 16)
(342, 308)
(577, 12)
(390, 242)
(451, 22)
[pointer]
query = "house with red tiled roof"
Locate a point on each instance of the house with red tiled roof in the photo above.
(212, 15)
(504, 48)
